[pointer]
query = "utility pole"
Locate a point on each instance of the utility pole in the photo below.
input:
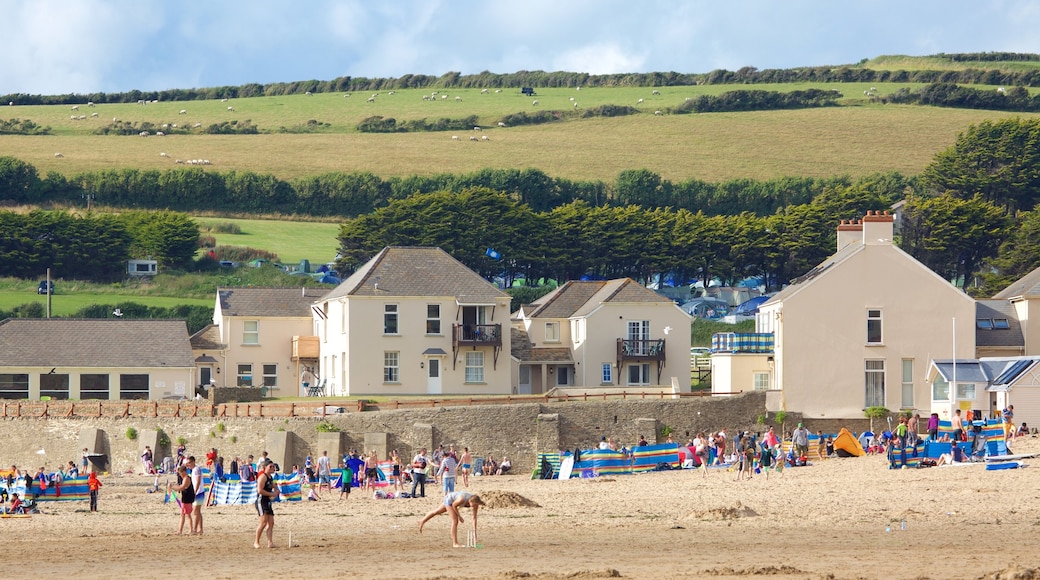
(48, 292)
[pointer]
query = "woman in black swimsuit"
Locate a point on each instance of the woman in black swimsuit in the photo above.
(266, 491)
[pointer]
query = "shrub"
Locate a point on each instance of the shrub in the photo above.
(326, 427)
(131, 433)
(221, 427)
(182, 441)
(164, 439)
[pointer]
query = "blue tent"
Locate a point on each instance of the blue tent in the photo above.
(750, 307)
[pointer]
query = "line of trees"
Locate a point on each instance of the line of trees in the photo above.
(523, 78)
(94, 246)
(359, 193)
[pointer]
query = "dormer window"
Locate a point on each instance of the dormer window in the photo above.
(1000, 323)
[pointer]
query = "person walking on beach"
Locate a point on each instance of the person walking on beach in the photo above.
(200, 493)
(451, 505)
(447, 472)
(266, 492)
(93, 486)
(419, 473)
(465, 462)
(800, 441)
(187, 499)
(957, 425)
(325, 472)
(1008, 416)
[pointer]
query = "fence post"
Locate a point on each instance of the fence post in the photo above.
(72, 410)
(99, 409)
(45, 407)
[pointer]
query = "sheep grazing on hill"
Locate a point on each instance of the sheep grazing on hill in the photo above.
(483, 91)
(143, 133)
(232, 109)
(58, 155)
(346, 96)
(501, 124)
(90, 103)
(458, 99)
(308, 93)
(163, 155)
(223, 100)
(498, 91)
(160, 134)
(658, 112)
(196, 125)
(655, 92)
(115, 119)
(534, 102)
(454, 137)
(93, 115)
(182, 112)
(75, 107)
(391, 93)
(477, 128)
(485, 138)
(473, 138)
(639, 102)
(371, 99)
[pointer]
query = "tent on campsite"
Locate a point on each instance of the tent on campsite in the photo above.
(845, 445)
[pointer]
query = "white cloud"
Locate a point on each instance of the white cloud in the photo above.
(56, 47)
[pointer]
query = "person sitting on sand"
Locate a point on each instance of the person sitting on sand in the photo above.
(16, 504)
(956, 455)
(504, 467)
(451, 504)
(1023, 429)
(490, 465)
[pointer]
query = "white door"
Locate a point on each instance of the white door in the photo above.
(524, 385)
(639, 331)
(433, 376)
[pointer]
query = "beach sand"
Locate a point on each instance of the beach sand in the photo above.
(827, 520)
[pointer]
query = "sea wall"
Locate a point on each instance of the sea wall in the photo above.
(518, 431)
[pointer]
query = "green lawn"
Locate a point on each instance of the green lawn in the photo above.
(67, 303)
(291, 241)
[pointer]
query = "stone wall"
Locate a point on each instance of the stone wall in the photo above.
(221, 395)
(517, 431)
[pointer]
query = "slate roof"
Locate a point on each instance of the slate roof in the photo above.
(63, 342)
(579, 298)
(207, 339)
(521, 349)
(1026, 286)
(268, 302)
(418, 271)
(805, 279)
(998, 309)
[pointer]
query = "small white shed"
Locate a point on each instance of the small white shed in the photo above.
(142, 267)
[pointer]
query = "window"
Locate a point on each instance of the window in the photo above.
(940, 389)
(475, 366)
(433, 319)
(761, 381)
(133, 386)
(270, 376)
(875, 383)
(552, 332)
(251, 332)
(244, 375)
(93, 387)
(391, 367)
(608, 374)
(14, 386)
(966, 391)
(984, 323)
(54, 386)
(390, 319)
(873, 327)
(639, 374)
(907, 384)
(1001, 323)
(578, 330)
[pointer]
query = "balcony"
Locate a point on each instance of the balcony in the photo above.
(640, 350)
(305, 348)
(474, 335)
(742, 342)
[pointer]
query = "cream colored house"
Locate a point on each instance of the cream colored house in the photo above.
(60, 358)
(260, 337)
(600, 334)
(858, 330)
(414, 321)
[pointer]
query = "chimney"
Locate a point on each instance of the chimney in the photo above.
(849, 231)
(877, 228)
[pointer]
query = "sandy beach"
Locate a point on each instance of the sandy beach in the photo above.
(827, 520)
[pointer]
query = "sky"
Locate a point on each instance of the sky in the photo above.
(82, 46)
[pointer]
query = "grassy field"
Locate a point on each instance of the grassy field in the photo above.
(854, 140)
(291, 241)
(65, 303)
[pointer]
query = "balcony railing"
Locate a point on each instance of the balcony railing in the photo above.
(648, 350)
(477, 335)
